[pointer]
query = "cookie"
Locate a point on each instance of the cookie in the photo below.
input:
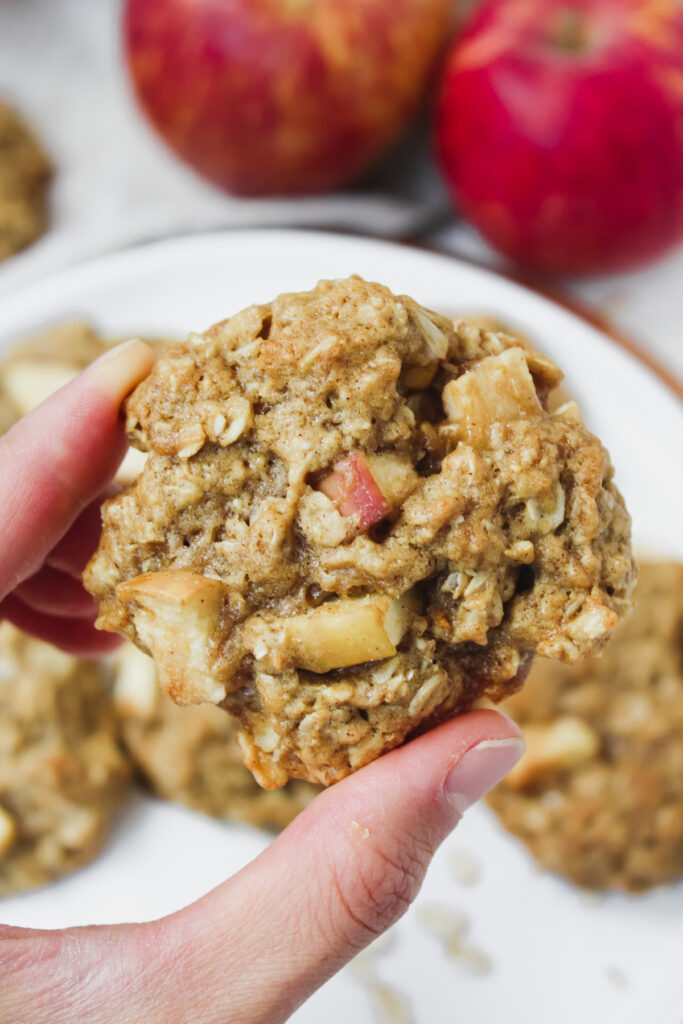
(62, 775)
(598, 797)
(25, 172)
(190, 755)
(355, 519)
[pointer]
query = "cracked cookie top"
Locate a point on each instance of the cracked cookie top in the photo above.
(356, 517)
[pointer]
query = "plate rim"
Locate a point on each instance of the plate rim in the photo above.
(549, 293)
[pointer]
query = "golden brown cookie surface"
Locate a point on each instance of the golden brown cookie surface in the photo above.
(25, 171)
(62, 776)
(355, 518)
(598, 796)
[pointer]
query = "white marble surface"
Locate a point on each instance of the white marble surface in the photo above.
(116, 184)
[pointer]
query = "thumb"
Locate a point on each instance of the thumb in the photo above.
(342, 873)
(60, 457)
(257, 946)
(253, 949)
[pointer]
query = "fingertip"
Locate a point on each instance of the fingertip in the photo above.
(481, 768)
(492, 723)
(121, 368)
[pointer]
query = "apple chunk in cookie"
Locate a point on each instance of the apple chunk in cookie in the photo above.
(356, 517)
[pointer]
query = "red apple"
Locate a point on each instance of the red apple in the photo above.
(281, 96)
(354, 490)
(560, 130)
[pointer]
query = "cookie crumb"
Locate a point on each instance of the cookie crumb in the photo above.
(450, 927)
(358, 831)
(464, 866)
(389, 1005)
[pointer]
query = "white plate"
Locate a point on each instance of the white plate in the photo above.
(556, 956)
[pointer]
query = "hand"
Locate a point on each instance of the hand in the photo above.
(345, 870)
(56, 464)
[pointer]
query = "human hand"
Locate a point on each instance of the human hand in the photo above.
(347, 868)
(56, 464)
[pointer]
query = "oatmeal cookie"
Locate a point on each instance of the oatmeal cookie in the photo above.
(190, 755)
(355, 519)
(62, 776)
(25, 172)
(598, 796)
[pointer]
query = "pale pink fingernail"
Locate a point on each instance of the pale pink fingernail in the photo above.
(480, 769)
(122, 367)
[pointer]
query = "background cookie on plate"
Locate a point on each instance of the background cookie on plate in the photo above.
(62, 775)
(190, 755)
(598, 796)
(25, 172)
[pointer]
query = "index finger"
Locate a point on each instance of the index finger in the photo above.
(57, 459)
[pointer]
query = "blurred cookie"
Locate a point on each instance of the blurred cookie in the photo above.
(25, 171)
(189, 754)
(598, 796)
(62, 775)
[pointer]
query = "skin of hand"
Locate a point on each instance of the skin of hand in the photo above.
(347, 868)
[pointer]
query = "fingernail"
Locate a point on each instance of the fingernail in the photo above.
(480, 769)
(124, 366)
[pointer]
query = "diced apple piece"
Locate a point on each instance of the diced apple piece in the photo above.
(396, 618)
(28, 382)
(419, 377)
(8, 831)
(437, 341)
(353, 489)
(558, 746)
(345, 632)
(543, 370)
(132, 465)
(136, 687)
(500, 389)
(395, 476)
(176, 612)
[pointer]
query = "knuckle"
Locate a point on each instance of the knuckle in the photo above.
(378, 886)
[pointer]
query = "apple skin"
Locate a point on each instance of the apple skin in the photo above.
(278, 97)
(568, 160)
(354, 490)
